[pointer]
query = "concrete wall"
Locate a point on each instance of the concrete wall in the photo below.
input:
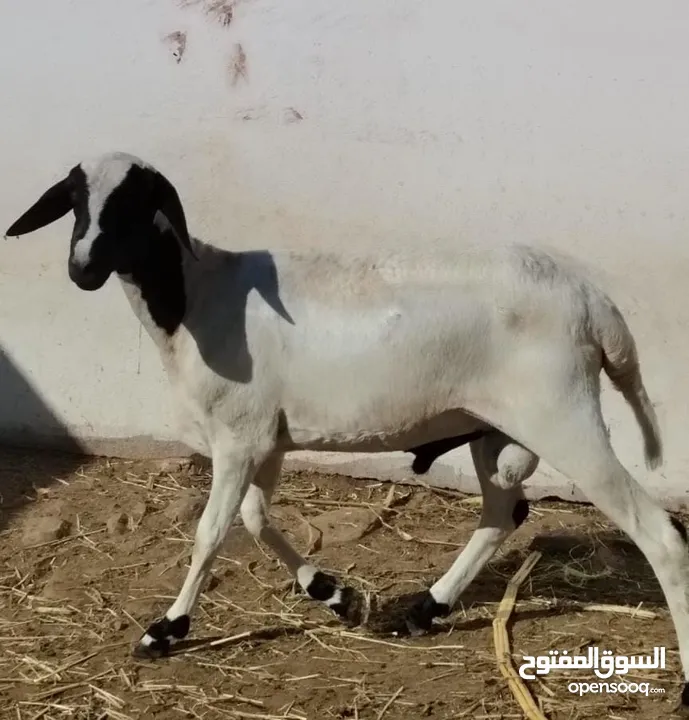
(294, 122)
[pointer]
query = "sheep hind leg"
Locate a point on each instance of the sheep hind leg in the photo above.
(501, 466)
(342, 600)
(569, 433)
(662, 539)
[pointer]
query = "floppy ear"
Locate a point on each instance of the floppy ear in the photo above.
(170, 205)
(51, 206)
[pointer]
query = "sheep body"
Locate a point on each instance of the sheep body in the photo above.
(390, 358)
(501, 347)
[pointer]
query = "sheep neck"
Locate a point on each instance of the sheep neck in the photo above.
(155, 286)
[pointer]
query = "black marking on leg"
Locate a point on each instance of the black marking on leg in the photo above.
(520, 512)
(166, 628)
(179, 627)
(428, 453)
(342, 607)
(349, 609)
(322, 586)
(679, 526)
(161, 632)
(420, 616)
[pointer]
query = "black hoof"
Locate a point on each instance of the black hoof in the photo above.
(159, 637)
(344, 601)
(419, 618)
(157, 649)
(350, 608)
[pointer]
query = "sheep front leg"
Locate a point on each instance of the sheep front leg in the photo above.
(344, 601)
(233, 468)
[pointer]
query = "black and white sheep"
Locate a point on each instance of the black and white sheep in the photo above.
(272, 352)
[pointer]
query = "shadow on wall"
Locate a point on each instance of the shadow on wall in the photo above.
(36, 448)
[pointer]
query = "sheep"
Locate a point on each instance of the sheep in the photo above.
(498, 346)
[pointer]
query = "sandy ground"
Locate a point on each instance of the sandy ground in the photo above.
(92, 550)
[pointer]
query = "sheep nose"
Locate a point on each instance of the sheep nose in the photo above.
(77, 271)
(84, 276)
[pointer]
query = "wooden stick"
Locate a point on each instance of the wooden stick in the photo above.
(501, 641)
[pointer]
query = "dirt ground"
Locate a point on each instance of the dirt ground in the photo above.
(92, 550)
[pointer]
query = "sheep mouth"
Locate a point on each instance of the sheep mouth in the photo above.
(87, 279)
(91, 285)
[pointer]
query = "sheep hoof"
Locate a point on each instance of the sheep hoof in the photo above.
(344, 601)
(157, 649)
(419, 618)
(350, 607)
(160, 636)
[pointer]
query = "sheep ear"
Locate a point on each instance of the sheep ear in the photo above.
(51, 206)
(170, 205)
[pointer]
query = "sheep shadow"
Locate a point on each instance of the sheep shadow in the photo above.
(35, 445)
(221, 337)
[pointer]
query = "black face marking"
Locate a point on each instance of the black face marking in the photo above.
(428, 453)
(520, 512)
(94, 275)
(150, 254)
(419, 619)
(124, 223)
(130, 242)
(679, 526)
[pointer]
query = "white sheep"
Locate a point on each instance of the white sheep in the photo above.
(272, 352)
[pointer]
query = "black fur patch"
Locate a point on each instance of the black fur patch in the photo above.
(159, 275)
(166, 628)
(129, 242)
(347, 609)
(419, 618)
(157, 649)
(322, 586)
(428, 453)
(179, 627)
(679, 526)
(520, 512)
(161, 631)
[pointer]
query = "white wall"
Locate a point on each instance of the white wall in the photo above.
(562, 123)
